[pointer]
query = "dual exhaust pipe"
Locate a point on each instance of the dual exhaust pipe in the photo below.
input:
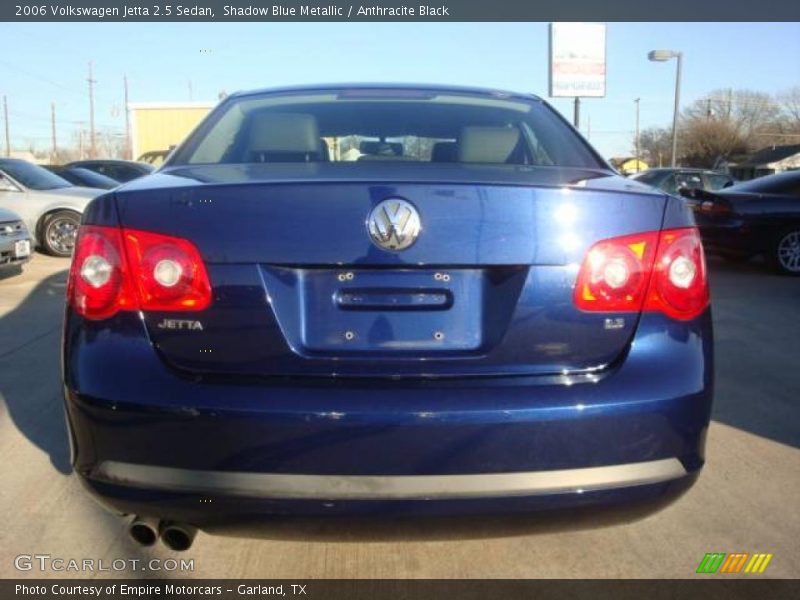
(176, 536)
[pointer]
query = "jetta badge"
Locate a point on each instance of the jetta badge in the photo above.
(183, 324)
(394, 224)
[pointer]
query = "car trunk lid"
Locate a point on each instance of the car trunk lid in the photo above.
(300, 288)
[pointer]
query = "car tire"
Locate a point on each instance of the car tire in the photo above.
(59, 231)
(785, 252)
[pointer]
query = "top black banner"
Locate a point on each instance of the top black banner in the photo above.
(398, 10)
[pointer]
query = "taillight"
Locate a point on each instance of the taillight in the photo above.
(654, 271)
(679, 285)
(715, 207)
(99, 283)
(117, 269)
(167, 272)
(615, 274)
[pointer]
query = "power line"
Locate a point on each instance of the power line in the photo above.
(41, 78)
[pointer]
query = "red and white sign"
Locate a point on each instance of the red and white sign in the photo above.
(577, 60)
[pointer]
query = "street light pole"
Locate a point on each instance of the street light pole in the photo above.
(637, 133)
(677, 110)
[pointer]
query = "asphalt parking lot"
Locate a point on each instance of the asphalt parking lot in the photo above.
(745, 501)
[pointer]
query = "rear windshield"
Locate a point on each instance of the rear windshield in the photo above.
(398, 126)
(33, 176)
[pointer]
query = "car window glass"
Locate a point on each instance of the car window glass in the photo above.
(6, 185)
(670, 184)
(388, 126)
(689, 180)
(717, 182)
(33, 176)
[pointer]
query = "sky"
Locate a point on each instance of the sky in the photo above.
(172, 62)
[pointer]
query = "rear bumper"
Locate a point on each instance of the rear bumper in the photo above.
(7, 245)
(388, 487)
(149, 441)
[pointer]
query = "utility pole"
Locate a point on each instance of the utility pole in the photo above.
(128, 153)
(5, 120)
(636, 138)
(91, 113)
(53, 128)
(80, 143)
(576, 115)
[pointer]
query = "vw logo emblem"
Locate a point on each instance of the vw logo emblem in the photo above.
(394, 224)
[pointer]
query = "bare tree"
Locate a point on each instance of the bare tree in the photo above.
(728, 125)
(790, 104)
(655, 145)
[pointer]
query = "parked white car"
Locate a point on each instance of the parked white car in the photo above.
(50, 206)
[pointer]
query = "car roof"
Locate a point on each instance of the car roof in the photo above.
(418, 87)
(753, 185)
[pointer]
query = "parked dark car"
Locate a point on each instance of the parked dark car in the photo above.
(84, 177)
(674, 180)
(760, 216)
(285, 320)
(15, 242)
(120, 170)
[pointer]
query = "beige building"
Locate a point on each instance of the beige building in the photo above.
(157, 126)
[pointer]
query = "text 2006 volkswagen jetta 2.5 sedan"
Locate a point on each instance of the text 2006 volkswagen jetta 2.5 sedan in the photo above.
(350, 299)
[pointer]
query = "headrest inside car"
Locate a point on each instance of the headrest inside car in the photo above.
(479, 144)
(284, 133)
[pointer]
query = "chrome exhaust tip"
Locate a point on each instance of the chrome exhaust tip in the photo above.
(143, 531)
(177, 536)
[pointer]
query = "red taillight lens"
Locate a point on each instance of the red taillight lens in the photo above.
(115, 269)
(168, 273)
(657, 271)
(99, 284)
(679, 285)
(615, 274)
(715, 207)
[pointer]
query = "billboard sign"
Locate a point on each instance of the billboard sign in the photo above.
(577, 60)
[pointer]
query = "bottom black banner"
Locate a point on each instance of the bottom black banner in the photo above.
(414, 589)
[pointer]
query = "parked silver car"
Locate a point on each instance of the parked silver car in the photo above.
(50, 206)
(15, 241)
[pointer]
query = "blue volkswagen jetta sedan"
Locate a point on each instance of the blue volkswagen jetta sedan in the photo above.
(375, 298)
